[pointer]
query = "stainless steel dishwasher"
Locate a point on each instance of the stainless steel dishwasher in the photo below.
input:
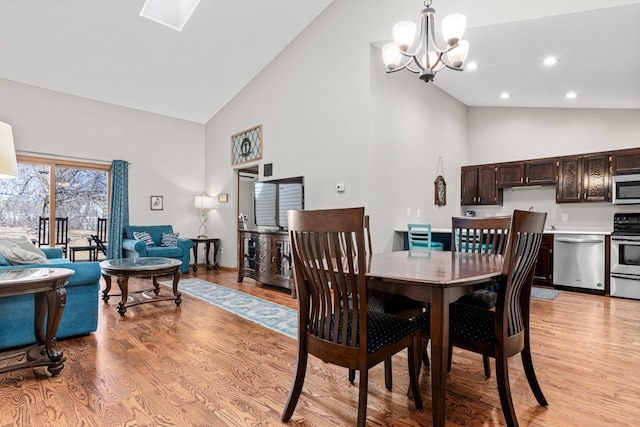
(578, 261)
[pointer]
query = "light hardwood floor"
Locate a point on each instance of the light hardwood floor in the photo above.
(199, 365)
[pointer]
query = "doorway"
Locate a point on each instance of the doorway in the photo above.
(246, 178)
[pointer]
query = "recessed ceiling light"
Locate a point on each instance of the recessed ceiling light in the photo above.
(550, 60)
(571, 95)
(505, 95)
(472, 66)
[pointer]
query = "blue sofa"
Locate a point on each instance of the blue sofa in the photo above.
(80, 316)
(133, 248)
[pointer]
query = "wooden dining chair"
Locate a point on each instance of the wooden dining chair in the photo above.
(484, 236)
(100, 238)
(503, 333)
(61, 233)
(334, 320)
(391, 304)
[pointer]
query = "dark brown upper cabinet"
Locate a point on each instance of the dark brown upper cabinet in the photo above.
(625, 161)
(478, 185)
(584, 179)
(534, 172)
(540, 172)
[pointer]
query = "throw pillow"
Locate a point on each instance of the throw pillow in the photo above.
(21, 251)
(145, 238)
(169, 240)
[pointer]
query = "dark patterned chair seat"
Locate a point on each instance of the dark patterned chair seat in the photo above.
(472, 323)
(483, 298)
(383, 329)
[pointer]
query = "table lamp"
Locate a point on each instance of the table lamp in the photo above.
(8, 162)
(204, 204)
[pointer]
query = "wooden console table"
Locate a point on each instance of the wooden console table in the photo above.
(207, 244)
(47, 287)
(265, 256)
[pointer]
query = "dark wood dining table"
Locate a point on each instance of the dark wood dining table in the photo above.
(438, 278)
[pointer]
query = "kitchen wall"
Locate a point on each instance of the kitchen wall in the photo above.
(165, 154)
(509, 134)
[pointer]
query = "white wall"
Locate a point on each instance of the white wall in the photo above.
(322, 120)
(165, 153)
(506, 134)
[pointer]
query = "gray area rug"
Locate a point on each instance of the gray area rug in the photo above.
(543, 293)
(270, 315)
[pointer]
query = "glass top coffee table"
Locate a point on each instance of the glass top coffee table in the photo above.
(47, 285)
(124, 268)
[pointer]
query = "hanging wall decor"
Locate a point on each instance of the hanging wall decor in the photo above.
(246, 145)
(440, 186)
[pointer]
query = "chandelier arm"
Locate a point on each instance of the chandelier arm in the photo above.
(452, 67)
(403, 67)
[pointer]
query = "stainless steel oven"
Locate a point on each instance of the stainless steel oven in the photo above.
(625, 256)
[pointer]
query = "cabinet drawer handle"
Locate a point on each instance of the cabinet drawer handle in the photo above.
(261, 256)
(263, 242)
(262, 270)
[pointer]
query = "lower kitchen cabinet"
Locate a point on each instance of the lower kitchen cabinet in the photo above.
(265, 256)
(544, 268)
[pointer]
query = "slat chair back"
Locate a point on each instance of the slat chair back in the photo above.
(480, 235)
(61, 233)
(509, 334)
(100, 238)
(333, 315)
(419, 237)
(101, 229)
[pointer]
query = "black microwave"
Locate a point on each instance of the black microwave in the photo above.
(626, 189)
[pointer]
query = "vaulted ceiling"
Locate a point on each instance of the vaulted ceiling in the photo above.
(104, 50)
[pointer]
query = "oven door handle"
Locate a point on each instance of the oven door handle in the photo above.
(626, 277)
(626, 239)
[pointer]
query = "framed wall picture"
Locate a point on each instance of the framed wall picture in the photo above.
(246, 146)
(223, 198)
(156, 203)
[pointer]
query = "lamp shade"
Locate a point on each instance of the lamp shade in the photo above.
(204, 202)
(453, 27)
(403, 34)
(8, 162)
(458, 54)
(172, 13)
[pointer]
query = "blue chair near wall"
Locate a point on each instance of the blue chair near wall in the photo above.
(420, 238)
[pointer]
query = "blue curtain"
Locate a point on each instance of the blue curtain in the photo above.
(119, 208)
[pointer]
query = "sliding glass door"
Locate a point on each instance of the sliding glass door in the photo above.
(51, 188)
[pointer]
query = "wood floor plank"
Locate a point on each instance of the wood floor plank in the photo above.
(198, 365)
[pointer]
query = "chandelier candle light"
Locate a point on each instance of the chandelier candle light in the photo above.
(427, 58)
(204, 204)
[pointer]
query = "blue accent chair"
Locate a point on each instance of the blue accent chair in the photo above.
(133, 248)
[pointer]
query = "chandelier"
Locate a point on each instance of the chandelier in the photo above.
(427, 58)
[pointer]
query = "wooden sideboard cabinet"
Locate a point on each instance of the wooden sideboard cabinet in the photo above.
(265, 256)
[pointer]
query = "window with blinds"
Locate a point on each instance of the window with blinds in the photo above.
(273, 199)
(289, 198)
